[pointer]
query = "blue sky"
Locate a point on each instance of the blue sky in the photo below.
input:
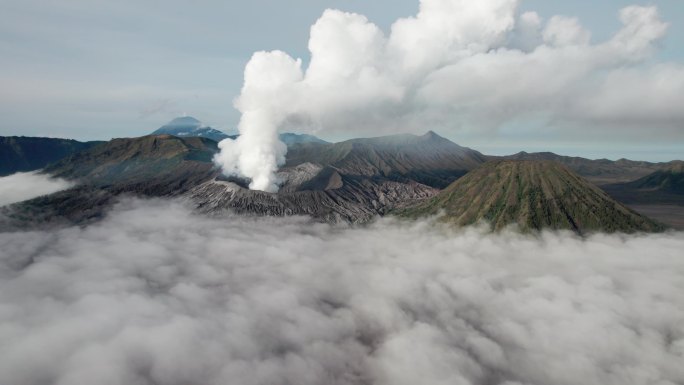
(100, 69)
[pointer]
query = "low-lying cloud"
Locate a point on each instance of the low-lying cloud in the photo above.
(157, 295)
(26, 185)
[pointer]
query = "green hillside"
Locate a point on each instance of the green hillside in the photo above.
(534, 195)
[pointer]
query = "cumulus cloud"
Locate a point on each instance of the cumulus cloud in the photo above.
(157, 295)
(457, 65)
(26, 185)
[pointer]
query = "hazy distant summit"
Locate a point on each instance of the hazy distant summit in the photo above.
(289, 138)
(187, 126)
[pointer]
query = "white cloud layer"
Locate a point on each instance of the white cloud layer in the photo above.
(157, 295)
(457, 65)
(26, 185)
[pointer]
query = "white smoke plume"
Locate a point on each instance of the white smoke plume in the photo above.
(27, 185)
(457, 65)
(157, 295)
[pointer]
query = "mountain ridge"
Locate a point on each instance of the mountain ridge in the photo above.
(429, 159)
(597, 171)
(24, 153)
(350, 181)
(664, 186)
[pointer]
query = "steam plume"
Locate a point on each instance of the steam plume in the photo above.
(457, 65)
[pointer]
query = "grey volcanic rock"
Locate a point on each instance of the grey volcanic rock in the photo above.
(293, 177)
(356, 202)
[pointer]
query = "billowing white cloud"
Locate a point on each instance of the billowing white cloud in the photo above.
(26, 185)
(157, 295)
(456, 65)
(258, 151)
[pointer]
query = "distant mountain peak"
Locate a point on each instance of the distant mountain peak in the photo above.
(432, 135)
(188, 126)
(184, 120)
(183, 123)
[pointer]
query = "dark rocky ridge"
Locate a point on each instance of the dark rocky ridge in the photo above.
(597, 171)
(21, 153)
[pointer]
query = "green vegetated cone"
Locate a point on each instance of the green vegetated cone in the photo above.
(534, 195)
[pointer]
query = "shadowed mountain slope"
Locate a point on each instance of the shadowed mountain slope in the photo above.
(428, 159)
(664, 186)
(154, 164)
(21, 153)
(669, 179)
(534, 195)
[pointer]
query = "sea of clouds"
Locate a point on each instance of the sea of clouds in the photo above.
(155, 294)
(26, 185)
